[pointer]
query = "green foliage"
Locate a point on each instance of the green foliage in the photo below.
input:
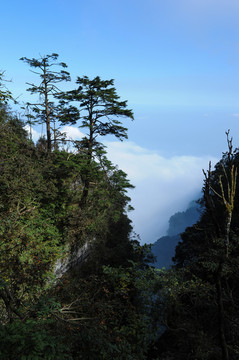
(30, 238)
(31, 340)
(101, 309)
(108, 315)
(206, 293)
(100, 109)
(5, 94)
(110, 306)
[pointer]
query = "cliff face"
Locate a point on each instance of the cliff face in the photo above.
(77, 257)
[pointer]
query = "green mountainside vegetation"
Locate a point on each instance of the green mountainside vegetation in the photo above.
(202, 319)
(112, 305)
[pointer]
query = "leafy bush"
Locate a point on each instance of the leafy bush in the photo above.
(31, 340)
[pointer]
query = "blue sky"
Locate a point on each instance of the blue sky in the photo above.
(175, 61)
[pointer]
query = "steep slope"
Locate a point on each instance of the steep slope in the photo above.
(163, 249)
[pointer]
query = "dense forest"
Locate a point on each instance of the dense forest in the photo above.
(75, 283)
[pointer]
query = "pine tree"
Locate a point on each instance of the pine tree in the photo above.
(100, 110)
(46, 89)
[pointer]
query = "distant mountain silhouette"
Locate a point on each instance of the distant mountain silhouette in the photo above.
(180, 220)
(163, 249)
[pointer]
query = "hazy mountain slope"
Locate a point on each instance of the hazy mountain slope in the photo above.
(163, 249)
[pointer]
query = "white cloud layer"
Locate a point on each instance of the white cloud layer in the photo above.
(72, 132)
(163, 185)
(35, 134)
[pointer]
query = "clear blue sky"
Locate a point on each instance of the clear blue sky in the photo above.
(175, 61)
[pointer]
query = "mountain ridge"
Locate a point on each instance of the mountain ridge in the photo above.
(163, 249)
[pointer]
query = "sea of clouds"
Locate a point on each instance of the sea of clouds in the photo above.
(163, 185)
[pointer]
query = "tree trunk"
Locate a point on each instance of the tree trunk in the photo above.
(9, 303)
(228, 226)
(221, 324)
(48, 122)
(89, 160)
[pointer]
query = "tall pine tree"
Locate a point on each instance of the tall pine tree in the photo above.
(47, 89)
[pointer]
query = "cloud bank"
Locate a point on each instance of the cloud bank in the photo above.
(72, 132)
(34, 133)
(163, 185)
